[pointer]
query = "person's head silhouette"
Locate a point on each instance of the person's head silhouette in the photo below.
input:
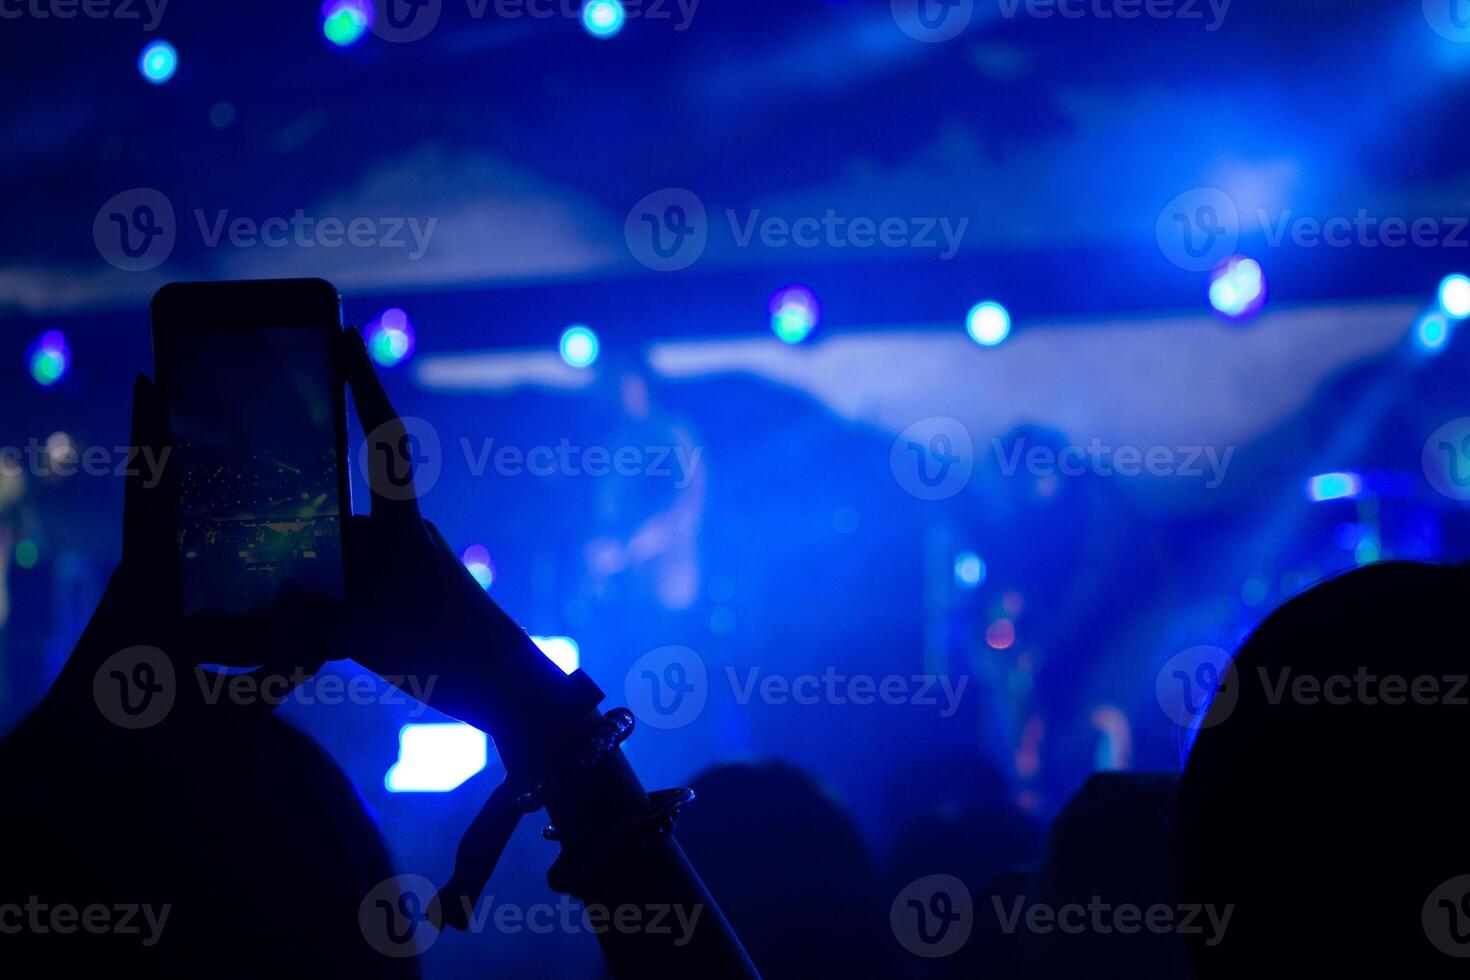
(1322, 802)
(238, 845)
(791, 871)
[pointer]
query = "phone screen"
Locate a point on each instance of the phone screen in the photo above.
(253, 428)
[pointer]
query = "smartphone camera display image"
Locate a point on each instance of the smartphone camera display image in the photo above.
(254, 412)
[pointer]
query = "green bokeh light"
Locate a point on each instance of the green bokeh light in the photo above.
(344, 26)
(47, 366)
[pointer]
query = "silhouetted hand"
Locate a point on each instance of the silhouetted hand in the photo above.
(140, 607)
(415, 611)
(137, 607)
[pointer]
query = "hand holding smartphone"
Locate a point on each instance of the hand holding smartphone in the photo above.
(250, 376)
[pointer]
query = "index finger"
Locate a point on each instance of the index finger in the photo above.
(389, 455)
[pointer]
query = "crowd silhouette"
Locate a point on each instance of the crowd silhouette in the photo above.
(1313, 831)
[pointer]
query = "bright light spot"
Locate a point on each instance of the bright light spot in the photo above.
(603, 18)
(1238, 288)
(1432, 331)
(390, 337)
(436, 758)
(1334, 486)
(1454, 296)
(988, 323)
(969, 570)
(158, 62)
(1366, 553)
(579, 346)
(560, 650)
(26, 553)
(49, 357)
(477, 559)
(795, 313)
(344, 22)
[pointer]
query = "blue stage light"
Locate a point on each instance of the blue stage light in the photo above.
(436, 758)
(1238, 288)
(795, 313)
(560, 650)
(969, 570)
(1334, 486)
(390, 337)
(49, 358)
(988, 323)
(579, 346)
(603, 18)
(1454, 296)
(344, 22)
(158, 62)
(477, 560)
(1432, 331)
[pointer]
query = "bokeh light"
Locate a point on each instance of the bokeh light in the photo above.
(1432, 332)
(158, 62)
(1001, 634)
(1238, 288)
(476, 559)
(579, 346)
(603, 18)
(49, 358)
(988, 323)
(1334, 486)
(1454, 296)
(62, 454)
(969, 570)
(390, 337)
(795, 313)
(344, 22)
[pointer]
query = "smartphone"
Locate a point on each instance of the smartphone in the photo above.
(250, 375)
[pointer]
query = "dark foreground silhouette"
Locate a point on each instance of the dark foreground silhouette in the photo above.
(1325, 800)
(215, 840)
